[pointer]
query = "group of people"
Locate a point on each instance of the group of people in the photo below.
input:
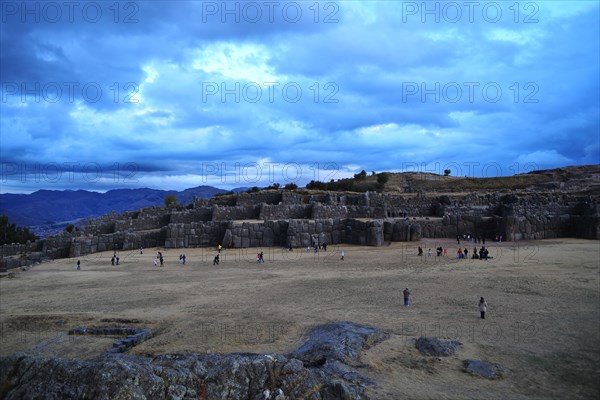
(482, 303)
(260, 257)
(182, 259)
(316, 247)
(115, 259)
(481, 254)
(470, 238)
(439, 251)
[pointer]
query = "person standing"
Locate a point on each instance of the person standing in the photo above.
(78, 265)
(482, 307)
(459, 253)
(342, 255)
(406, 294)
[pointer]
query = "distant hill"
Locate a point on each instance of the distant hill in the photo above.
(578, 179)
(583, 179)
(56, 207)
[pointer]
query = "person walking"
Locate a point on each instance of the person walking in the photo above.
(342, 255)
(406, 294)
(78, 265)
(482, 307)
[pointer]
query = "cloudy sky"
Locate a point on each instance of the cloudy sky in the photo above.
(171, 95)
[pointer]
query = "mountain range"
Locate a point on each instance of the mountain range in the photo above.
(60, 207)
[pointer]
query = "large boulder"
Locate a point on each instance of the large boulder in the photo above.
(484, 369)
(339, 341)
(437, 347)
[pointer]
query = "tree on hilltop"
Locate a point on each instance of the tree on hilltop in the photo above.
(275, 186)
(447, 172)
(361, 175)
(170, 200)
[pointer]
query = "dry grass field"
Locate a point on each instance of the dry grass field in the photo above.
(543, 320)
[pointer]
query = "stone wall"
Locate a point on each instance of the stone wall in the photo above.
(536, 227)
(285, 211)
(290, 197)
(452, 226)
(367, 212)
(303, 219)
(303, 233)
(198, 214)
(17, 248)
(58, 246)
(323, 211)
(99, 227)
(267, 233)
(266, 196)
(236, 213)
(401, 230)
(142, 223)
(364, 233)
(195, 234)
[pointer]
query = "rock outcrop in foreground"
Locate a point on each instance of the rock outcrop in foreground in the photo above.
(321, 368)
